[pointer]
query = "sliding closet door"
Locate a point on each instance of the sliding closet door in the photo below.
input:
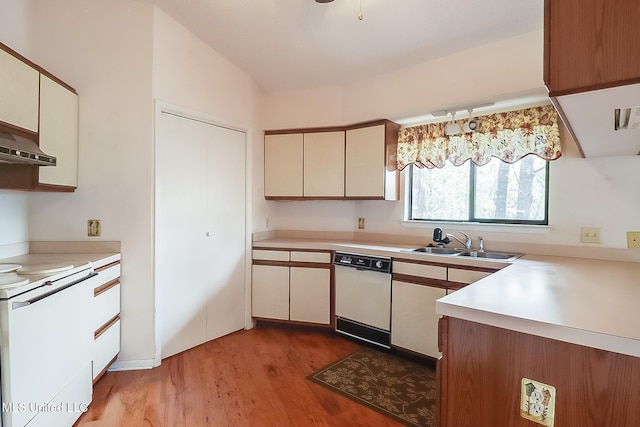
(200, 231)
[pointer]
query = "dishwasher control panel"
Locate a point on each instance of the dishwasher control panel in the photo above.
(363, 262)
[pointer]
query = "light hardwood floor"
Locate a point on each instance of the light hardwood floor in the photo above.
(248, 378)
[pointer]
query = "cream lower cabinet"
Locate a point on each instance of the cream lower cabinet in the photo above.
(270, 292)
(106, 318)
(296, 287)
(414, 321)
(309, 293)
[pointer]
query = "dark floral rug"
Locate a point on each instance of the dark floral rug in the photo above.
(400, 389)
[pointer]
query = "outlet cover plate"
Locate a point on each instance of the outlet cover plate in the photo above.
(590, 234)
(537, 402)
(633, 239)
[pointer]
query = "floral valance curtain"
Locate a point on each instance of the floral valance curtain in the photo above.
(507, 136)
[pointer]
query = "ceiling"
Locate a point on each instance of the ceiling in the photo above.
(292, 44)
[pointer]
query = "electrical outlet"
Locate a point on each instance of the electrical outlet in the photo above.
(94, 229)
(361, 223)
(537, 402)
(590, 235)
(633, 239)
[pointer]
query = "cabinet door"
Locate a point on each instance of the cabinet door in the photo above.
(324, 164)
(310, 294)
(414, 321)
(365, 162)
(590, 45)
(283, 165)
(18, 93)
(270, 292)
(59, 133)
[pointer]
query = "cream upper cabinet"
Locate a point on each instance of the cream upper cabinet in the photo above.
(59, 132)
(368, 150)
(18, 92)
(348, 162)
(283, 165)
(324, 164)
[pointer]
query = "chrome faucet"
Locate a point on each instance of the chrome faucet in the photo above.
(481, 247)
(437, 237)
(466, 243)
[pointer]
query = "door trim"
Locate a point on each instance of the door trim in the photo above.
(163, 107)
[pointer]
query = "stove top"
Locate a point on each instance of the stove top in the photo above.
(12, 280)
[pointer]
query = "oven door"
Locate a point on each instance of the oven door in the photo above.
(46, 360)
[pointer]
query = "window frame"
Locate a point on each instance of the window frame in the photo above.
(472, 203)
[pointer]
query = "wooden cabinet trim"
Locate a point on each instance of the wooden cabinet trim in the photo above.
(35, 67)
(421, 281)
(106, 326)
(104, 288)
(105, 369)
(107, 266)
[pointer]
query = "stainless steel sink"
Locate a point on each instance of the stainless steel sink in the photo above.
(439, 251)
(492, 255)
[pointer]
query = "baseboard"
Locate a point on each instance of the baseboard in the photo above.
(134, 365)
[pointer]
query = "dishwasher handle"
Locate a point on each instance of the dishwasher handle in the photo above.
(19, 304)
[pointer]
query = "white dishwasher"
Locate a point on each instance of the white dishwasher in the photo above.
(363, 297)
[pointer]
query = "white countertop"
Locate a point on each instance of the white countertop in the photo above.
(581, 301)
(578, 300)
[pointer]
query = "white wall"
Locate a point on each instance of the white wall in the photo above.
(583, 192)
(15, 32)
(104, 50)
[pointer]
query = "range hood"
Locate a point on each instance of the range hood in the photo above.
(20, 150)
(605, 122)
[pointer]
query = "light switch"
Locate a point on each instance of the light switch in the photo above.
(537, 402)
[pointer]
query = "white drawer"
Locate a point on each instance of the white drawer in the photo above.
(107, 275)
(466, 276)
(268, 255)
(106, 306)
(321, 257)
(106, 347)
(420, 270)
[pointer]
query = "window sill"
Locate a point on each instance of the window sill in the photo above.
(477, 226)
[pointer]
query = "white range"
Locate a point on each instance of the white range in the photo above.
(45, 361)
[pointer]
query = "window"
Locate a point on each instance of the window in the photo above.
(496, 192)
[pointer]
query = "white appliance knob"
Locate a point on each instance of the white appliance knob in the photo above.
(379, 264)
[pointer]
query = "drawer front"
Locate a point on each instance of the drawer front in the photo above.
(105, 348)
(466, 276)
(420, 270)
(107, 275)
(106, 306)
(268, 255)
(321, 257)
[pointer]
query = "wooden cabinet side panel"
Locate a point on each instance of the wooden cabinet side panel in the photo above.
(590, 45)
(283, 160)
(485, 365)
